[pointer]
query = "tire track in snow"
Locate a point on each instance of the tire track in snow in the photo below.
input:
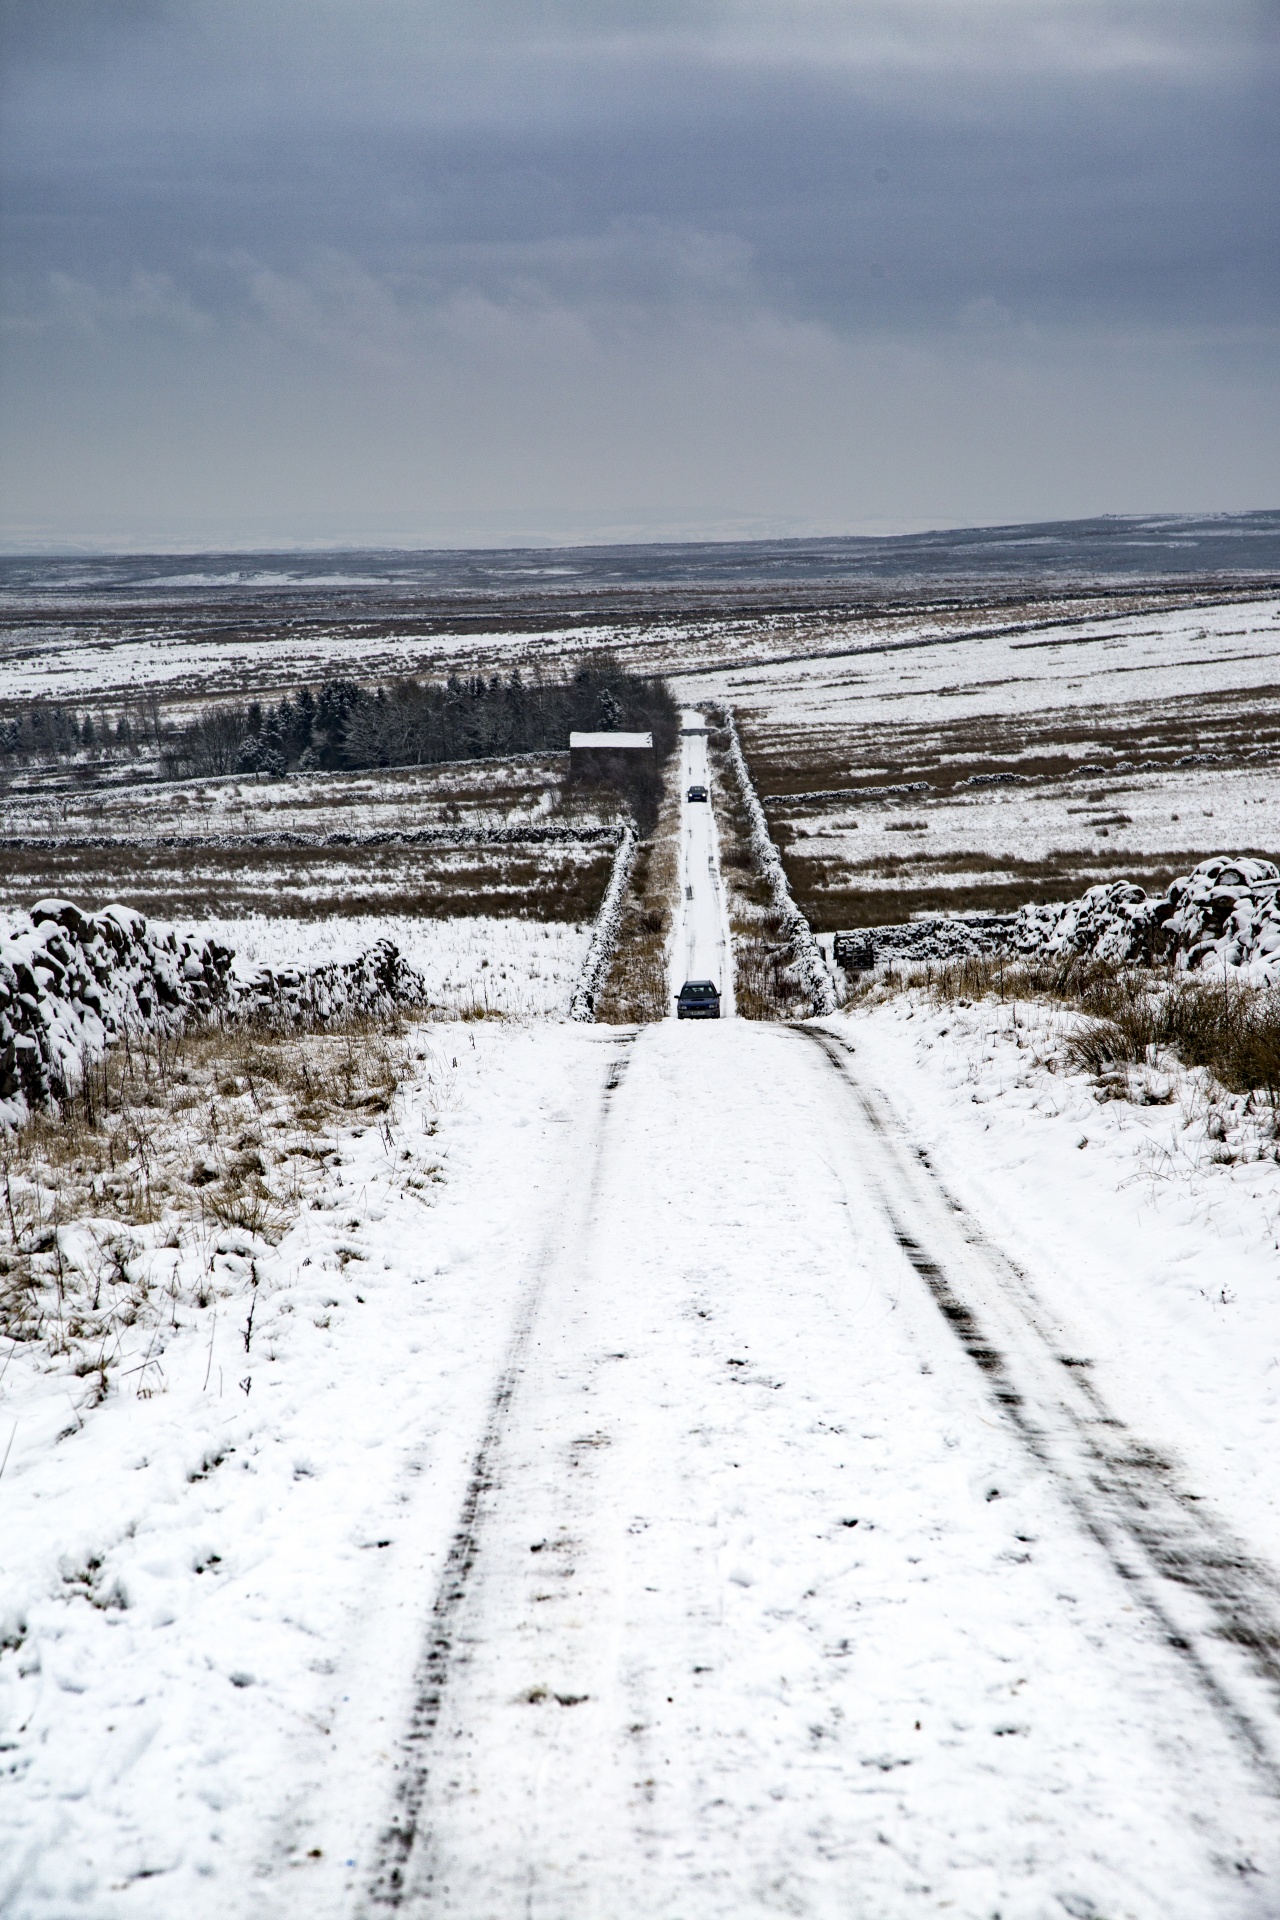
(387, 1883)
(1214, 1604)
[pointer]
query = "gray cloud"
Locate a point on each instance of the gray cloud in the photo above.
(499, 266)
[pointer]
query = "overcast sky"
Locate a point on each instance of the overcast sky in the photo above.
(467, 271)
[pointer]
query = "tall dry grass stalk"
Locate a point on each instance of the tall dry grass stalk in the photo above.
(205, 1131)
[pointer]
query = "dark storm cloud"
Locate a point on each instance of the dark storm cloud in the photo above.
(490, 195)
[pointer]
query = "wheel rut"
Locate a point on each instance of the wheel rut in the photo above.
(1215, 1605)
(387, 1884)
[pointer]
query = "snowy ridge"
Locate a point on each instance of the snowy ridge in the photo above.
(72, 982)
(605, 930)
(809, 961)
(1225, 913)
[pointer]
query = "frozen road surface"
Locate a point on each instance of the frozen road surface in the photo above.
(703, 1507)
(700, 946)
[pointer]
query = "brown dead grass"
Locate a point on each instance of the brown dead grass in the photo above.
(1133, 1015)
(636, 987)
(208, 1130)
(550, 883)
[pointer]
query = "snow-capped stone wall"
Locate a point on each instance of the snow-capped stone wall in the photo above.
(72, 982)
(1225, 913)
(604, 933)
(808, 962)
(374, 982)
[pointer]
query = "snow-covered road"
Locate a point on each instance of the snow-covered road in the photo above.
(745, 1544)
(700, 947)
(765, 1600)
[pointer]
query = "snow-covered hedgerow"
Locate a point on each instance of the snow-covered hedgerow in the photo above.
(1226, 912)
(72, 982)
(808, 960)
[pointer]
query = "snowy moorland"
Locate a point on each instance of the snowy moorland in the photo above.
(502, 837)
(811, 1465)
(475, 795)
(980, 773)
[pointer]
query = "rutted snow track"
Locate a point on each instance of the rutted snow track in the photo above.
(701, 948)
(760, 1603)
(694, 1513)
(419, 1752)
(1215, 1604)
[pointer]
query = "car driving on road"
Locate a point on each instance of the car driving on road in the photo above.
(698, 1000)
(696, 793)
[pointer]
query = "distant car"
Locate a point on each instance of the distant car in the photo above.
(696, 793)
(698, 1000)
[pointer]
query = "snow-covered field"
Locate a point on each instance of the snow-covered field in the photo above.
(478, 795)
(1088, 666)
(502, 837)
(520, 969)
(1140, 822)
(703, 1470)
(77, 661)
(1124, 748)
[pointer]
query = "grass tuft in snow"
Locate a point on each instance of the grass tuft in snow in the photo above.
(172, 1143)
(1132, 1015)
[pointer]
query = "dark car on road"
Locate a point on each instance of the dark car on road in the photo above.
(698, 1000)
(696, 793)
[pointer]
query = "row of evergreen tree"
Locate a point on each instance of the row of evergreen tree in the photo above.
(345, 725)
(47, 730)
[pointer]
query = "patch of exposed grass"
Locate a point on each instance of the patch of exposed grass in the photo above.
(547, 883)
(1133, 1015)
(635, 988)
(168, 1136)
(764, 987)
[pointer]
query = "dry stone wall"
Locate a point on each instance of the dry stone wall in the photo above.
(1224, 913)
(73, 983)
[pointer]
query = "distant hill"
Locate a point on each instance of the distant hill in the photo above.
(1111, 548)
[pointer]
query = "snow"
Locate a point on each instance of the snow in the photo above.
(1069, 718)
(1150, 817)
(768, 1606)
(1089, 665)
(190, 1560)
(522, 969)
(1159, 1254)
(700, 946)
(679, 1471)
